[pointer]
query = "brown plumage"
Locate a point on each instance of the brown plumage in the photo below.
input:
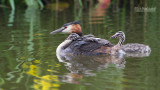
(76, 28)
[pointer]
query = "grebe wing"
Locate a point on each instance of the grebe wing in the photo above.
(83, 46)
(92, 38)
(89, 44)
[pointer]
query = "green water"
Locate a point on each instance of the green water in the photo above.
(28, 52)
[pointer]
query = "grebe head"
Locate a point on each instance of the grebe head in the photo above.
(121, 36)
(71, 27)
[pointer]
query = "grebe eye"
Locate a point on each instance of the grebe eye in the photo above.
(65, 27)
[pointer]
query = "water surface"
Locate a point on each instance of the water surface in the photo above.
(28, 52)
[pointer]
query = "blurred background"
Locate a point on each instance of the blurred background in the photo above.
(28, 52)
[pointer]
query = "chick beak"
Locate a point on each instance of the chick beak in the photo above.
(113, 36)
(58, 30)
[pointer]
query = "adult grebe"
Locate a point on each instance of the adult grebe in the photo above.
(84, 44)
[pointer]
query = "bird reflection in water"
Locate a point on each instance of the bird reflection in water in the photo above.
(82, 66)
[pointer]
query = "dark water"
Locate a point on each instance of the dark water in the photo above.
(28, 52)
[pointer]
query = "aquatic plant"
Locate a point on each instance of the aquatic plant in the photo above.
(33, 3)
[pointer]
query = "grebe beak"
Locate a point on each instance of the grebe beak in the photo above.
(58, 30)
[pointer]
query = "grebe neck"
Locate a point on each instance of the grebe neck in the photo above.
(121, 40)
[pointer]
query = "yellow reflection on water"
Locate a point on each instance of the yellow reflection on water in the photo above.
(57, 65)
(33, 70)
(45, 82)
(22, 58)
(38, 34)
(36, 61)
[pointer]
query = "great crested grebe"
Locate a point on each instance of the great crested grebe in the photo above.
(131, 47)
(84, 44)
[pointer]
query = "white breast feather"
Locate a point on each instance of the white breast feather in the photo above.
(60, 47)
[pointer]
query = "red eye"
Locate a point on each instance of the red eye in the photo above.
(65, 27)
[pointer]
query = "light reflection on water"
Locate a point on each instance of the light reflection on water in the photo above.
(28, 58)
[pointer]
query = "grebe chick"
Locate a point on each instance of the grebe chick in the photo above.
(131, 47)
